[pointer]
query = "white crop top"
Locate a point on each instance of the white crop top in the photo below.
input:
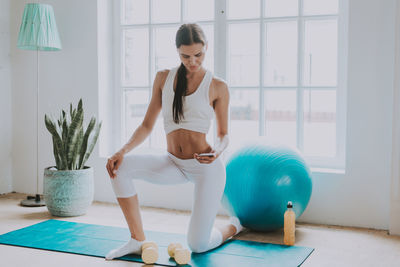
(197, 111)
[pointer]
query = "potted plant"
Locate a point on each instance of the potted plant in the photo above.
(68, 186)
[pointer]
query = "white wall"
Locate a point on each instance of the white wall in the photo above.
(394, 225)
(360, 197)
(5, 99)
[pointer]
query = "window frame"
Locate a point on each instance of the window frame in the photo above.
(221, 65)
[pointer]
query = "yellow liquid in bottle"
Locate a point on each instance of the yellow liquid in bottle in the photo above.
(289, 227)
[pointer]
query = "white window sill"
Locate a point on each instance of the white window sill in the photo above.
(327, 170)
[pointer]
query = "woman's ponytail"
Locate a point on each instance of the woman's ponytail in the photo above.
(180, 92)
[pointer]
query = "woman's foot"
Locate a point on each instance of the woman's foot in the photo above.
(133, 246)
(236, 223)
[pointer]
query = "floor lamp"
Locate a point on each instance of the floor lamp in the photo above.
(38, 32)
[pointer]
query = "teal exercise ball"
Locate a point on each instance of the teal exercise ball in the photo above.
(261, 180)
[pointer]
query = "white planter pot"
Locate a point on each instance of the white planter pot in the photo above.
(68, 192)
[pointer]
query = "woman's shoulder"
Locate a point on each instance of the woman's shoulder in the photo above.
(219, 88)
(164, 73)
(219, 83)
(161, 77)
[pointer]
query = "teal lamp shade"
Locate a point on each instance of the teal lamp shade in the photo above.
(38, 29)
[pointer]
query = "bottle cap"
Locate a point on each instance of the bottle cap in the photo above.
(289, 205)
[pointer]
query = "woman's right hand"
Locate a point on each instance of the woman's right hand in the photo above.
(113, 164)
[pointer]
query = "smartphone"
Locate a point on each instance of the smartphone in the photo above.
(207, 155)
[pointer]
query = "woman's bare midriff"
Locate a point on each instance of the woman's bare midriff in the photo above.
(184, 143)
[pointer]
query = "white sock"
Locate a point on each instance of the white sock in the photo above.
(133, 246)
(235, 222)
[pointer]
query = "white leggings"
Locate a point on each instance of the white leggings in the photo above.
(209, 184)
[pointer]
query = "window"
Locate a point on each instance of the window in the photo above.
(284, 61)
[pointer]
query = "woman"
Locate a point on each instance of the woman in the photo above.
(188, 96)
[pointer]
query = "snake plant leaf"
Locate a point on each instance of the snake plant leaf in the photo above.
(92, 143)
(74, 128)
(58, 142)
(59, 121)
(80, 104)
(89, 129)
(70, 110)
(65, 133)
(71, 145)
(73, 132)
(56, 154)
(75, 152)
(75, 111)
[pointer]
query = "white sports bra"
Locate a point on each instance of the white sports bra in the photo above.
(196, 108)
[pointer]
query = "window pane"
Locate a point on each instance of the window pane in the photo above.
(166, 11)
(239, 9)
(199, 10)
(280, 8)
(319, 7)
(135, 57)
(281, 56)
(320, 53)
(244, 54)
(244, 114)
(165, 55)
(136, 103)
(135, 11)
(280, 116)
(320, 123)
(208, 62)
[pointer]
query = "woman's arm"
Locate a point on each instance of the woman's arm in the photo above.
(221, 108)
(145, 128)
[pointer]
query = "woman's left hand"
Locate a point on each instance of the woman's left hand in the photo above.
(206, 159)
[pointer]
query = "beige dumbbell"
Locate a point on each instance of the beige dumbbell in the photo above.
(181, 255)
(149, 252)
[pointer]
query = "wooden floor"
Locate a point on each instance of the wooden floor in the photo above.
(334, 246)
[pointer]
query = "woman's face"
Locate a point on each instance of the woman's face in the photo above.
(192, 56)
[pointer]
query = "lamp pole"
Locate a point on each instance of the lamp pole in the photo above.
(36, 201)
(37, 198)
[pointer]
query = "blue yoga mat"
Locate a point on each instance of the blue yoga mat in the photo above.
(97, 240)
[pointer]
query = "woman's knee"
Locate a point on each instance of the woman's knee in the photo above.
(122, 184)
(123, 188)
(197, 245)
